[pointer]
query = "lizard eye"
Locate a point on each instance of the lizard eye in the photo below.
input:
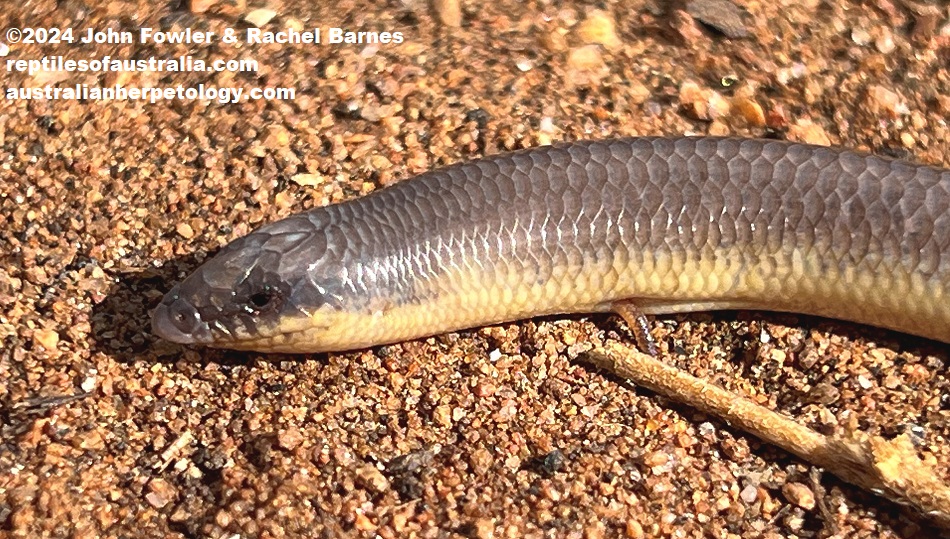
(265, 299)
(261, 299)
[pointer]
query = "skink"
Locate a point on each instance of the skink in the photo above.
(660, 225)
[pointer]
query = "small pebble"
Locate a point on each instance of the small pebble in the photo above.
(260, 17)
(800, 495)
(588, 57)
(598, 28)
(885, 102)
(749, 494)
(723, 15)
(160, 493)
(47, 338)
(290, 438)
(750, 111)
(809, 132)
(184, 230)
(371, 478)
(449, 12)
(309, 180)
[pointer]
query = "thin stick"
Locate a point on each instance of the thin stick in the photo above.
(888, 468)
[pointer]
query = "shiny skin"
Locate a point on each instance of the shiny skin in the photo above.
(669, 224)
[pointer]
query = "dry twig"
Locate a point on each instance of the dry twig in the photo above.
(888, 468)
